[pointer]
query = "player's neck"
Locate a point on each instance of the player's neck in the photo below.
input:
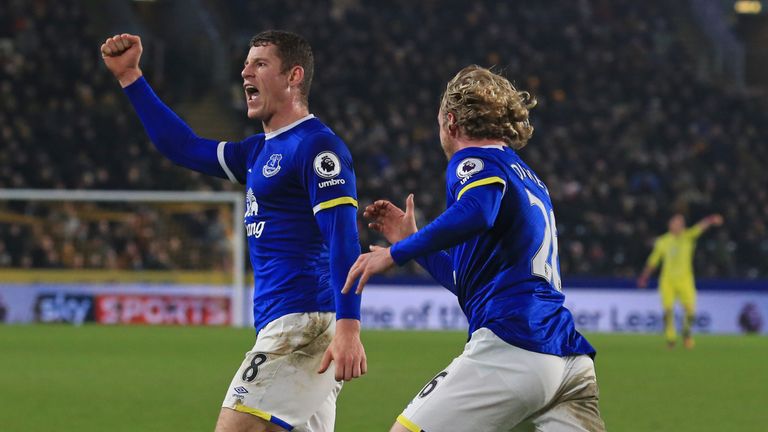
(462, 143)
(285, 117)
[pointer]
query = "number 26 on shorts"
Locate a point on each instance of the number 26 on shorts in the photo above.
(430, 387)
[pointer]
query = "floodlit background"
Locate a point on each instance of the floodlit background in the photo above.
(646, 108)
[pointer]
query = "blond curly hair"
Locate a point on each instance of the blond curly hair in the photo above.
(487, 106)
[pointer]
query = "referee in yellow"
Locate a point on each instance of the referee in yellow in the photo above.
(674, 250)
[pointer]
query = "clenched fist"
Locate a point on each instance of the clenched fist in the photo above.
(121, 54)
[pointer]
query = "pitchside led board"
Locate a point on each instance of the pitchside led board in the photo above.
(402, 307)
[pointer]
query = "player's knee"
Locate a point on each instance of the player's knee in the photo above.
(235, 421)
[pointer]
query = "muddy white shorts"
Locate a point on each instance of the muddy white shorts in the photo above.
(496, 387)
(278, 380)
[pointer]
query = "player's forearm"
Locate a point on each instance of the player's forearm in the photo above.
(167, 130)
(440, 266)
(339, 228)
(470, 216)
(647, 272)
(170, 135)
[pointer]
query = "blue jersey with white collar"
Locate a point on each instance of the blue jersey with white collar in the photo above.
(501, 240)
(290, 175)
(300, 204)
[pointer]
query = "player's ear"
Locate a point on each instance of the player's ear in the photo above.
(296, 76)
(450, 121)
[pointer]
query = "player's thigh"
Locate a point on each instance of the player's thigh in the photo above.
(667, 294)
(278, 380)
(397, 427)
(491, 386)
(234, 421)
(687, 296)
(575, 407)
(324, 419)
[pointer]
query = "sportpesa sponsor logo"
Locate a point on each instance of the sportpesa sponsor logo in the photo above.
(331, 182)
(251, 205)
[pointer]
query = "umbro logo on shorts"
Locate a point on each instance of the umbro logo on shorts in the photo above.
(241, 390)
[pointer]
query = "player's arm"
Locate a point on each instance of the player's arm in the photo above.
(395, 225)
(339, 227)
(324, 157)
(706, 223)
(172, 137)
(651, 264)
(475, 212)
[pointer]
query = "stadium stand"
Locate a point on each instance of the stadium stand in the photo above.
(626, 132)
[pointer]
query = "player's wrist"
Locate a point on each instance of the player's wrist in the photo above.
(346, 326)
(129, 77)
(407, 233)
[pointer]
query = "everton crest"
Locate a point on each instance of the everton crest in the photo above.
(272, 166)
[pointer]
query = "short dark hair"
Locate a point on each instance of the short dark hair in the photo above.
(293, 50)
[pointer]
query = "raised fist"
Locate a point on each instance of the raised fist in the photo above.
(121, 54)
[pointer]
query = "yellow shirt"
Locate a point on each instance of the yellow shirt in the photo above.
(676, 254)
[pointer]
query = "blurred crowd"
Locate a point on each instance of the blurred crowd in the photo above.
(108, 236)
(65, 124)
(625, 132)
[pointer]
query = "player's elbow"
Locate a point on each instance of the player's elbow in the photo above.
(486, 221)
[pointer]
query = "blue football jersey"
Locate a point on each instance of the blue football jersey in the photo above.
(508, 278)
(290, 174)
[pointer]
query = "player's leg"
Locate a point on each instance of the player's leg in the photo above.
(667, 293)
(325, 418)
(233, 421)
(575, 407)
(688, 300)
(397, 427)
(278, 383)
(491, 386)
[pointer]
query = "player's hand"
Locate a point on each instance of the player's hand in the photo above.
(716, 219)
(367, 265)
(388, 219)
(642, 282)
(346, 351)
(121, 54)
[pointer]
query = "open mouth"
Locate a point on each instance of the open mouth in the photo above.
(251, 92)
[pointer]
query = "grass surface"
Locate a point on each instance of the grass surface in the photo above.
(96, 378)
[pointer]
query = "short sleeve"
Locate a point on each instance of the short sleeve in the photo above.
(473, 169)
(328, 175)
(234, 157)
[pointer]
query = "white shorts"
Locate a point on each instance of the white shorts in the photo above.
(494, 386)
(278, 380)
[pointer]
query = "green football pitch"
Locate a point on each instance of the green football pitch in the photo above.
(93, 378)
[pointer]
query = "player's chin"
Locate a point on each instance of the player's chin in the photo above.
(254, 114)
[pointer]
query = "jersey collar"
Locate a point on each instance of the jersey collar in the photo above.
(496, 146)
(277, 132)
